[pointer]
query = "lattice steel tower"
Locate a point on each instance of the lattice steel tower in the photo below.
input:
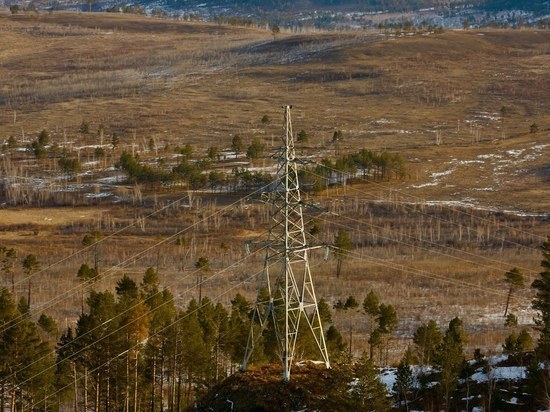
(288, 298)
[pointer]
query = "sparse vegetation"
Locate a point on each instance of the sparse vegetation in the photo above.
(431, 229)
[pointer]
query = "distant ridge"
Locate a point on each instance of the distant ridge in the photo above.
(322, 14)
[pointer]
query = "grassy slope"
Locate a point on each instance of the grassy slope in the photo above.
(200, 83)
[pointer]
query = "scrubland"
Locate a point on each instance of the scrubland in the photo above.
(459, 106)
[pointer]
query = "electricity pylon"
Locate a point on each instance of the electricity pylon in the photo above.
(288, 298)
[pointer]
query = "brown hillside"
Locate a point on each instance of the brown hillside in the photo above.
(435, 244)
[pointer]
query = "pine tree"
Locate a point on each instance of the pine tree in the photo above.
(85, 274)
(540, 376)
(342, 247)
(368, 392)
(541, 303)
(26, 361)
(203, 266)
(449, 358)
(9, 257)
(237, 145)
(375, 341)
(48, 325)
(98, 338)
(66, 375)
(194, 356)
(162, 346)
(371, 308)
(92, 240)
(514, 278)
(324, 312)
(403, 384)
(349, 306)
(239, 324)
(517, 344)
(387, 322)
(134, 325)
(427, 338)
(30, 266)
(335, 342)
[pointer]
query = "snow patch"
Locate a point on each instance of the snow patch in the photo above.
(500, 373)
(515, 153)
(489, 156)
(435, 175)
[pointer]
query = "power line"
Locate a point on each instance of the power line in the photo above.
(119, 315)
(423, 201)
(127, 261)
(200, 306)
(355, 228)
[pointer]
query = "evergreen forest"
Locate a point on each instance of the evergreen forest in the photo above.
(135, 349)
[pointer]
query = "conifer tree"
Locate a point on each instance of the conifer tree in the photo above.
(30, 266)
(449, 358)
(93, 239)
(539, 370)
(96, 342)
(239, 325)
(324, 312)
(134, 324)
(237, 144)
(335, 342)
(26, 361)
(368, 393)
(162, 344)
(85, 274)
(342, 245)
(371, 307)
(349, 305)
(427, 338)
(387, 322)
(8, 264)
(66, 375)
(203, 266)
(517, 344)
(403, 384)
(514, 278)
(541, 303)
(194, 354)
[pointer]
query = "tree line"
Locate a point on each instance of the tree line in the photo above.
(363, 165)
(135, 349)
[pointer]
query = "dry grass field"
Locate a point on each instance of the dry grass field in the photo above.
(458, 106)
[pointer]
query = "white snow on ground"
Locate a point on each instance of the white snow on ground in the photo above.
(98, 195)
(93, 146)
(515, 153)
(383, 121)
(435, 176)
(500, 373)
(494, 169)
(424, 185)
(466, 162)
(387, 377)
(112, 179)
(495, 360)
(489, 156)
(514, 401)
(389, 131)
(467, 202)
